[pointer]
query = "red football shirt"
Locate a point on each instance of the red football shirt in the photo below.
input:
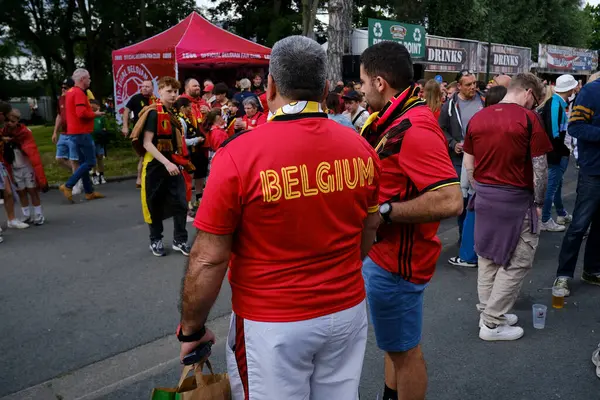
(215, 138)
(503, 138)
(294, 193)
(421, 164)
(62, 111)
(252, 122)
(80, 117)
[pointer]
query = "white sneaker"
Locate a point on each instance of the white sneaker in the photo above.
(95, 180)
(39, 220)
(102, 180)
(78, 188)
(511, 319)
(562, 282)
(16, 224)
(563, 220)
(551, 226)
(501, 332)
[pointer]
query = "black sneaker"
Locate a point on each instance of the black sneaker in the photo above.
(590, 278)
(183, 247)
(158, 248)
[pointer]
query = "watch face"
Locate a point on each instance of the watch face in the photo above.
(384, 208)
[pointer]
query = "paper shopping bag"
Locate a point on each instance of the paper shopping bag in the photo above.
(197, 387)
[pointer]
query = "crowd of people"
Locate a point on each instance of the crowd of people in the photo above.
(333, 205)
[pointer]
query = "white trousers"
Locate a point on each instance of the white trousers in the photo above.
(316, 359)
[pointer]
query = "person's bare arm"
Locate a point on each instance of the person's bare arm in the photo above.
(151, 148)
(57, 124)
(469, 163)
(368, 234)
(203, 279)
(125, 129)
(431, 206)
(540, 178)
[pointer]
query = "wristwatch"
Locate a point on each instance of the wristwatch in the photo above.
(194, 337)
(385, 210)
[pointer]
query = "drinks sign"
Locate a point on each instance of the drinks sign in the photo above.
(411, 36)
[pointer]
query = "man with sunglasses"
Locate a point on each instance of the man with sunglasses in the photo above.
(454, 118)
(505, 160)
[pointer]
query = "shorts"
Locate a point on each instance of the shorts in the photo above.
(66, 148)
(319, 358)
(396, 307)
(99, 150)
(24, 178)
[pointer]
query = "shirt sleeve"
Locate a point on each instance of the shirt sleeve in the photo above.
(540, 143)
(468, 142)
(425, 160)
(151, 122)
(373, 204)
(221, 206)
(131, 103)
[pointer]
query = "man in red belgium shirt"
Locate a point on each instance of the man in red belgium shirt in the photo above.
(294, 202)
(80, 125)
(419, 187)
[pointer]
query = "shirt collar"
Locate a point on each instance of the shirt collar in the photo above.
(560, 99)
(298, 109)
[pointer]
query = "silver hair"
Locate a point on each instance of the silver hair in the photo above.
(298, 66)
(245, 83)
(250, 101)
(79, 73)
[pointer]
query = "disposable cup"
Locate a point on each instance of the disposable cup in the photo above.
(539, 316)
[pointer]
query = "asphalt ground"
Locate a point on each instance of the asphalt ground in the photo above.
(87, 312)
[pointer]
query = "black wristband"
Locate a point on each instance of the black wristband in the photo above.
(194, 337)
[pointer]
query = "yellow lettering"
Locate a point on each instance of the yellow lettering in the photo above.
(288, 182)
(328, 186)
(366, 172)
(339, 178)
(306, 190)
(351, 184)
(270, 183)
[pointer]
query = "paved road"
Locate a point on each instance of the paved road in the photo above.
(84, 304)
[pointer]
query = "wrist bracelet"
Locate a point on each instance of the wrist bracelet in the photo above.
(194, 337)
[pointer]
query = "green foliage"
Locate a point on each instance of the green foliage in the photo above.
(121, 159)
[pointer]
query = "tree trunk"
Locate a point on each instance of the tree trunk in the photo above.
(309, 14)
(338, 37)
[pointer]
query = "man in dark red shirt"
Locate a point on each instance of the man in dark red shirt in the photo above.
(419, 187)
(294, 202)
(80, 124)
(505, 158)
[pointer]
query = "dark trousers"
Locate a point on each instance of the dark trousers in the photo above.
(179, 234)
(586, 212)
(461, 217)
(169, 198)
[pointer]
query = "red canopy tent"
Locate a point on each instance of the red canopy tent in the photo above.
(192, 43)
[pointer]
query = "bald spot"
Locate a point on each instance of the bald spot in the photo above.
(502, 80)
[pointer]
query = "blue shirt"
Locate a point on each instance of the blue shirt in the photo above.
(584, 125)
(341, 119)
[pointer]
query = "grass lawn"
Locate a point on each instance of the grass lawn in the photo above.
(121, 159)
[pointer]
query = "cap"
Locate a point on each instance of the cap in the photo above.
(68, 82)
(462, 73)
(352, 95)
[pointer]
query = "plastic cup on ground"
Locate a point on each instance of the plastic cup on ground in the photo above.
(539, 316)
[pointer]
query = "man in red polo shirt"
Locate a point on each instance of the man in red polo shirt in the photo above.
(294, 202)
(80, 124)
(419, 187)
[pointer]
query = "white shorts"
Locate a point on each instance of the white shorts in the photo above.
(316, 359)
(24, 178)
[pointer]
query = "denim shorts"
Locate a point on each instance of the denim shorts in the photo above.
(66, 148)
(396, 307)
